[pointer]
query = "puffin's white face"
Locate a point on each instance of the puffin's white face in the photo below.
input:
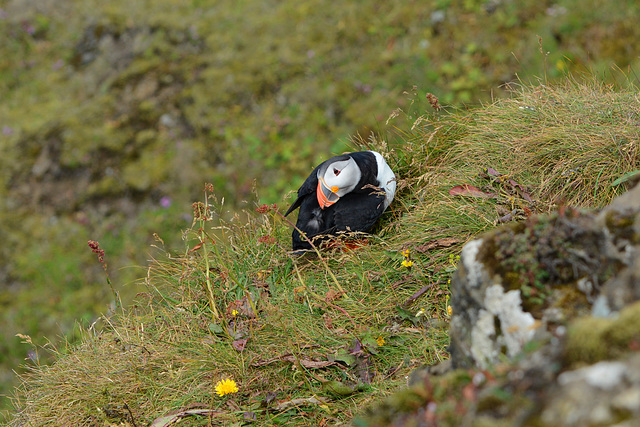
(337, 179)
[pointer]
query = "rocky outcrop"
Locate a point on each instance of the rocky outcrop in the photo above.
(545, 329)
(525, 281)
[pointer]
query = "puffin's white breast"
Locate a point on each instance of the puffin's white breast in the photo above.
(386, 178)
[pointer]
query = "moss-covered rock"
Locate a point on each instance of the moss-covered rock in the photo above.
(568, 358)
(527, 279)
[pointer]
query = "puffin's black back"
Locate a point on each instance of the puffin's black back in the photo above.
(356, 211)
(368, 166)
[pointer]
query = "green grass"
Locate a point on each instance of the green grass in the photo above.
(312, 340)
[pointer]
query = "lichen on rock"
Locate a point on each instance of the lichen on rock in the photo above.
(553, 349)
(503, 324)
(523, 280)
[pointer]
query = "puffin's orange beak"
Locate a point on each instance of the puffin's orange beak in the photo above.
(326, 195)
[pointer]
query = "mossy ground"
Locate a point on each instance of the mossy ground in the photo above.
(312, 340)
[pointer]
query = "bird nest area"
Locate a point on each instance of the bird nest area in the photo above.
(237, 329)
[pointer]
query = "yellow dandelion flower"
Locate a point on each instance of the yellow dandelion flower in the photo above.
(405, 253)
(226, 387)
(234, 313)
(407, 263)
(449, 310)
(380, 341)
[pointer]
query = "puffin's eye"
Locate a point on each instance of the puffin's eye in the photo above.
(336, 172)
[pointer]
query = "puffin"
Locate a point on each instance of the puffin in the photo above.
(345, 193)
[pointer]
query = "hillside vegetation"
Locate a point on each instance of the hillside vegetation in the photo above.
(114, 114)
(311, 340)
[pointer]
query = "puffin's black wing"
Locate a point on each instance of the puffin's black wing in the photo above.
(357, 211)
(307, 188)
(294, 206)
(312, 221)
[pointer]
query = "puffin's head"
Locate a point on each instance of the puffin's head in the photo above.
(336, 177)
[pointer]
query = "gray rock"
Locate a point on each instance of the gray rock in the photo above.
(545, 328)
(521, 280)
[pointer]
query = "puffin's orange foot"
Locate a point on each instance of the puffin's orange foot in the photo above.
(346, 245)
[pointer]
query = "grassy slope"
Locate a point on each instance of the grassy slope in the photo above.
(110, 109)
(566, 144)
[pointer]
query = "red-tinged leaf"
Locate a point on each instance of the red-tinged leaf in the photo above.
(332, 295)
(438, 243)
(239, 345)
(492, 172)
(266, 239)
(196, 247)
(470, 191)
(522, 190)
(515, 184)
